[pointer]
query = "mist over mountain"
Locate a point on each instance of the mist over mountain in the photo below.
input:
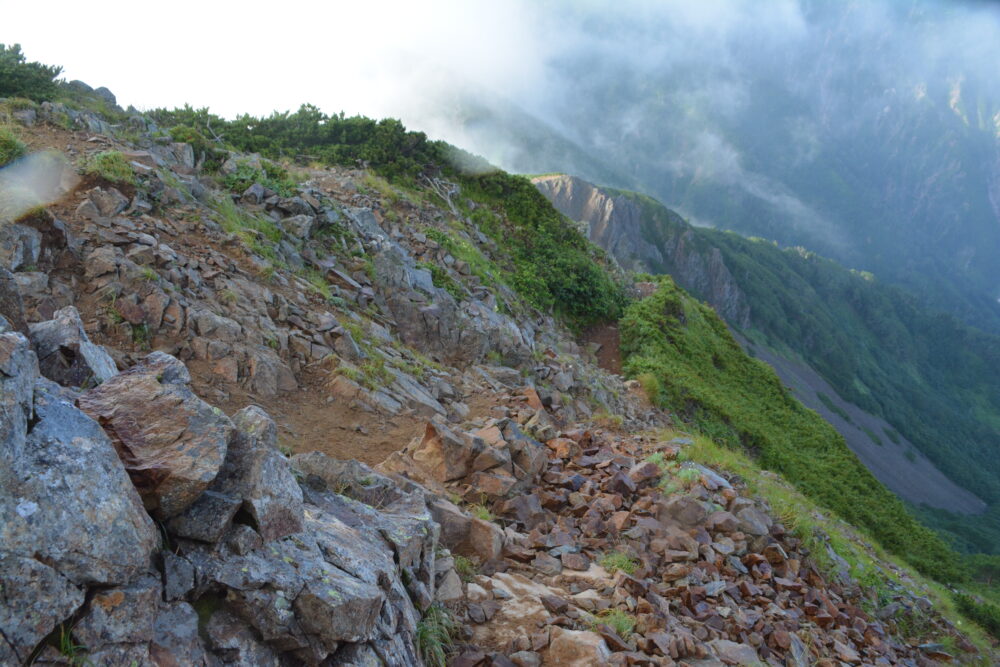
(866, 131)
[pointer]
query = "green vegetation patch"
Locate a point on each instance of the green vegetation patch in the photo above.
(270, 175)
(554, 267)
(741, 402)
(11, 148)
(111, 166)
(20, 78)
(436, 634)
(617, 560)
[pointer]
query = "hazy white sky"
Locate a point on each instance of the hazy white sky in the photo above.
(360, 56)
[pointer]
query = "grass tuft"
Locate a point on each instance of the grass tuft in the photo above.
(111, 166)
(436, 634)
(616, 560)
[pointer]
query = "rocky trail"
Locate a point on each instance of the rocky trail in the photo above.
(259, 429)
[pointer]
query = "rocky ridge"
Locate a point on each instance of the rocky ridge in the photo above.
(129, 309)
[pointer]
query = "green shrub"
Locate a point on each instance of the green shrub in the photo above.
(465, 568)
(20, 78)
(111, 166)
(271, 176)
(11, 148)
(986, 614)
(481, 512)
(443, 279)
(554, 266)
(204, 149)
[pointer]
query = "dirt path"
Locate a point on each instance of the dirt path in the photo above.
(609, 356)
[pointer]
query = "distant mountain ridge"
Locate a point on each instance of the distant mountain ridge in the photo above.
(849, 149)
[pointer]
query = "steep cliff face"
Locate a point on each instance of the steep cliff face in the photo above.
(643, 236)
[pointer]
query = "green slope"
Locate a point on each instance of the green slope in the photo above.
(692, 366)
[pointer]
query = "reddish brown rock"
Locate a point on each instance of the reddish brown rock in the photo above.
(171, 442)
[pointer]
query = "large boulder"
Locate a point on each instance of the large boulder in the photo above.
(172, 443)
(256, 474)
(66, 481)
(57, 482)
(65, 353)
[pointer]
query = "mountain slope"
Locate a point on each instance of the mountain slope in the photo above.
(932, 379)
(842, 135)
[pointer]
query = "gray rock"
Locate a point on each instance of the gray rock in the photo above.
(26, 117)
(269, 375)
(172, 442)
(295, 206)
(109, 203)
(20, 247)
(101, 261)
(120, 615)
(753, 521)
(65, 353)
(684, 510)
(106, 95)
(256, 472)
(733, 653)
(18, 370)
(230, 639)
(357, 655)
(178, 576)
(449, 588)
(300, 226)
(347, 348)
(338, 607)
(11, 306)
(32, 285)
(65, 479)
(175, 636)
(255, 194)
(35, 599)
(207, 519)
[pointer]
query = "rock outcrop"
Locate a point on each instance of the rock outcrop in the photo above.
(645, 236)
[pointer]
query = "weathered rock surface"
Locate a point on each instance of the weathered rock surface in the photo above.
(256, 474)
(65, 482)
(171, 442)
(11, 306)
(65, 353)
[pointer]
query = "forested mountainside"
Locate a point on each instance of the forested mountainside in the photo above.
(933, 379)
(856, 147)
(304, 389)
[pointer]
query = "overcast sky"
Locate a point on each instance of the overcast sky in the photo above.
(259, 56)
(408, 58)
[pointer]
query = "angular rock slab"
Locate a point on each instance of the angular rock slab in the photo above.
(256, 471)
(120, 615)
(11, 305)
(171, 442)
(445, 454)
(34, 598)
(18, 370)
(65, 353)
(67, 501)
